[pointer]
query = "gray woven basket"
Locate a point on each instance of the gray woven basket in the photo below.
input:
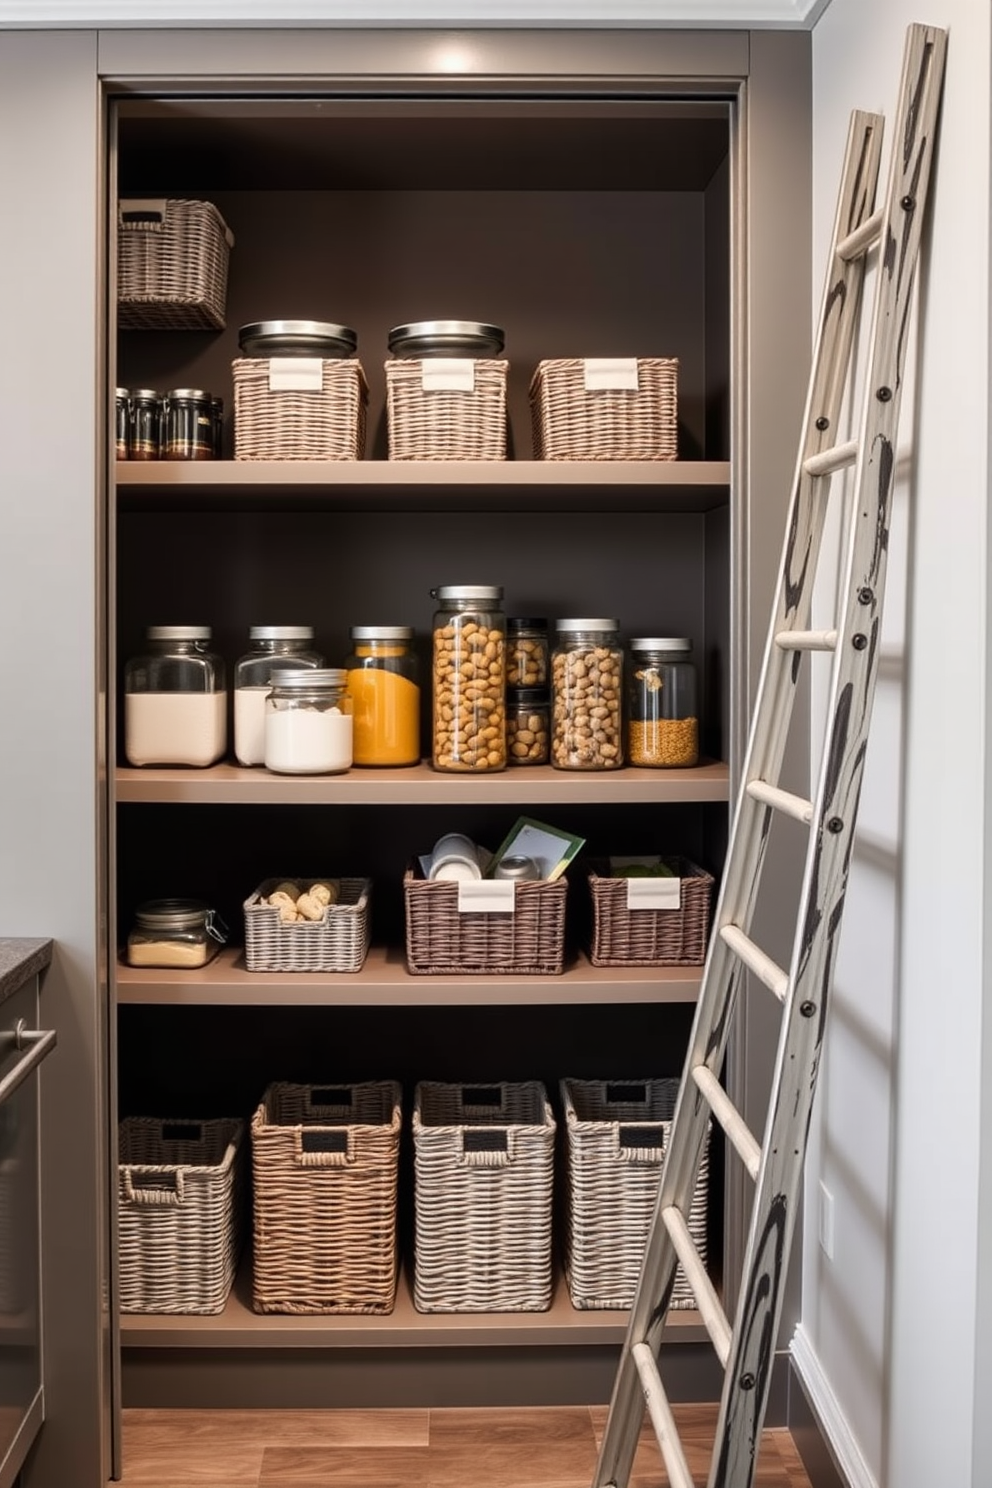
(441, 940)
(446, 424)
(180, 1195)
(615, 1137)
(172, 265)
(570, 423)
(650, 937)
(483, 1161)
(325, 423)
(325, 1162)
(338, 942)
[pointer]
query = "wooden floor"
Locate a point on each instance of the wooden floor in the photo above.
(537, 1448)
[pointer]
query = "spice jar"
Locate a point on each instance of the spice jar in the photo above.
(175, 933)
(189, 420)
(122, 401)
(385, 694)
(469, 678)
(527, 725)
(175, 702)
(145, 425)
(587, 682)
(274, 648)
(217, 412)
(663, 725)
(526, 652)
(308, 723)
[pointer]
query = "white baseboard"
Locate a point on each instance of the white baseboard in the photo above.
(836, 1432)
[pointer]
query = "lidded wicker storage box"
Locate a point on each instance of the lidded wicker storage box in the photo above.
(615, 1138)
(596, 409)
(324, 1163)
(483, 1160)
(446, 391)
(180, 1200)
(278, 418)
(172, 265)
(443, 940)
(626, 936)
(338, 942)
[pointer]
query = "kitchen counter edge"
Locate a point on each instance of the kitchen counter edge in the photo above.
(20, 959)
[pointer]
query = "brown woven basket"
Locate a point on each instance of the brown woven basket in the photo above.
(180, 1198)
(446, 424)
(650, 937)
(172, 263)
(483, 1169)
(440, 940)
(338, 942)
(615, 1137)
(324, 1163)
(326, 423)
(570, 423)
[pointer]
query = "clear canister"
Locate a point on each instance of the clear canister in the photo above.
(663, 723)
(308, 727)
(528, 729)
(144, 440)
(274, 648)
(189, 425)
(587, 696)
(385, 692)
(526, 652)
(175, 933)
(469, 678)
(122, 413)
(175, 699)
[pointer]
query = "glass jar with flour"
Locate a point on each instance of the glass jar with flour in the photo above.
(274, 648)
(308, 723)
(175, 699)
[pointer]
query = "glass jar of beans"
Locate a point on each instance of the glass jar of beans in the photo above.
(527, 730)
(526, 652)
(663, 724)
(469, 678)
(587, 692)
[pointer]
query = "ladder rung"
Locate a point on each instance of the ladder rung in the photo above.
(707, 1301)
(770, 795)
(806, 640)
(754, 958)
(837, 457)
(661, 1417)
(729, 1118)
(861, 239)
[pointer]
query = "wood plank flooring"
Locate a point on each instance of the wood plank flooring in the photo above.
(497, 1448)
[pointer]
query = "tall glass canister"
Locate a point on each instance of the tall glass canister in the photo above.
(175, 700)
(663, 723)
(587, 696)
(385, 692)
(469, 678)
(273, 648)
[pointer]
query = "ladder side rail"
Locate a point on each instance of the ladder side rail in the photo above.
(853, 678)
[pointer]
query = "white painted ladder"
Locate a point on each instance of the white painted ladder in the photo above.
(746, 1350)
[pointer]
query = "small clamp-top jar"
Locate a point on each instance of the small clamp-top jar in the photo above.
(587, 695)
(274, 648)
(308, 728)
(175, 700)
(469, 678)
(175, 933)
(189, 425)
(385, 693)
(663, 724)
(144, 440)
(526, 652)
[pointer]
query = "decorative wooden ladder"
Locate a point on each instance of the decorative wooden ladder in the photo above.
(775, 1165)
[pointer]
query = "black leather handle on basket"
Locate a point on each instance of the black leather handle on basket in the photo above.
(182, 1131)
(324, 1141)
(332, 1095)
(479, 1139)
(627, 1094)
(482, 1095)
(640, 1138)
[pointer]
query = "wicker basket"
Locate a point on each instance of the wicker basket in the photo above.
(338, 942)
(615, 1136)
(650, 937)
(172, 262)
(441, 423)
(324, 1163)
(441, 940)
(180, 1198)
(483, 1162)
(571, 422)
(275, 421)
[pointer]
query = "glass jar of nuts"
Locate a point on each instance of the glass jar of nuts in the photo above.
(526, 652)
(469, 678)
(663, 725)
(527, 720)
(587, 690)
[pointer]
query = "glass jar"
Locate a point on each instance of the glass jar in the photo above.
(145, 425)
(175, 702)
(188, 421)
(469, 678)
(175, 933)
(527, 725)
(663, 724)
(217, 416)
(587, 693)
(526, 652)
(274, 648)
(122, 414)
(383, 681)
(308, 728)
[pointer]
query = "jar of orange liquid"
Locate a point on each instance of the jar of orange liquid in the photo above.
(382, 679)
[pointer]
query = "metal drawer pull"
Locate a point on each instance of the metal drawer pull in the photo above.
(38, 1043)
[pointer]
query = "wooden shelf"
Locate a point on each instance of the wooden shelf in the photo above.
(384, 981)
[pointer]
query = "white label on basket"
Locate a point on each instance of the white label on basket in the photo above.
(486, 896)
(654, 893)
(610, 372)
(296, 374)
(447, 375)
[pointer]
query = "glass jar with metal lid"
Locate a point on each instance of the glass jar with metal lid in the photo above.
(308, 728)
(587, 694)
(188, 424)
(526, 652)
(175, 699)
(144, 440)
(527, 725)
(383, 679)
(663, 723)
(274, 648)
(122, 414)
(446, 338)
(304, 338)
(175, 933)
(469, 678)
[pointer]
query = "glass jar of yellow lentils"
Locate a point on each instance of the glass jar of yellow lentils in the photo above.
(662, 719)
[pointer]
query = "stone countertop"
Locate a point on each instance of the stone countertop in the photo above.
(20, 959)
